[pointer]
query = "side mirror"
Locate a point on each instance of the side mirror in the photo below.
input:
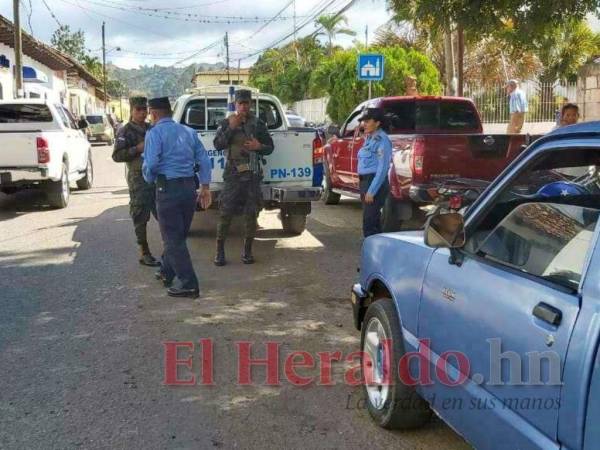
(445, 231)
(332, 130)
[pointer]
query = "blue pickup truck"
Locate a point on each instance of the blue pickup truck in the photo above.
(492, 319)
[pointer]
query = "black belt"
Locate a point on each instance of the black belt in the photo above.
(180, 180)
(366, 176)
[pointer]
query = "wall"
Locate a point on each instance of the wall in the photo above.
(55, 89)
(314, 110)
(588, 91)
(220, 78)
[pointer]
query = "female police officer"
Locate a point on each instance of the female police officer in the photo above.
(373, 163)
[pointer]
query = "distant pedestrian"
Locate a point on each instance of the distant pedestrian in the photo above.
(172, 155)
(129, 145)
(374, 160)
(569, 115)
(517, 106)
(246, 139)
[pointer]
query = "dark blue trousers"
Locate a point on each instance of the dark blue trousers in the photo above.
(372, 211)
(176, 205)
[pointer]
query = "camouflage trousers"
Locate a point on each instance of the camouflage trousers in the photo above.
(241, 196)
(250, 225)
(142, 205)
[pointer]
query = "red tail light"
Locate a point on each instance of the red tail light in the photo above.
(418, 152)
(317, 151)
(43, 151)
(455, 202)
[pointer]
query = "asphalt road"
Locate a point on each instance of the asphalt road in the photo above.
(83, 327)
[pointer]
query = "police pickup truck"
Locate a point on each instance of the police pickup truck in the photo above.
(291, 173)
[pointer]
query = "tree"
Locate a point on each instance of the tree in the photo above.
(332, 25)
(71, 43)
(336, 77)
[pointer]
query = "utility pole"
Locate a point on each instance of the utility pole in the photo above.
(18, 51)
(367, 48)
(104, 66)
(227, 57)
(239, 70)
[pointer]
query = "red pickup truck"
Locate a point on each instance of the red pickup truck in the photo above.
(435, 139)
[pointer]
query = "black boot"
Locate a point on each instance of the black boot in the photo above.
(146, 258)
(247, 257)
(220, 256)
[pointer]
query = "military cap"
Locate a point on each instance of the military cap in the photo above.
(373, 113)
(243, 95)
(138, 102)
(159, 103)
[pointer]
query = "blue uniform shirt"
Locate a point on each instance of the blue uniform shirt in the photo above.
(517, 102)
(375, 157)
(172, 150)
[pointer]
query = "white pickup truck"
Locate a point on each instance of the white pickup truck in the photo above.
(289, 172)
(41, 145)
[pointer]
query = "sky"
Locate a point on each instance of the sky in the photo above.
(152, 32)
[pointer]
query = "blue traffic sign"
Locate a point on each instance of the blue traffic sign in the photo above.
(370, 67)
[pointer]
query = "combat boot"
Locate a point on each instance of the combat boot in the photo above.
(220, 256)
(247, 257)
(146, 258)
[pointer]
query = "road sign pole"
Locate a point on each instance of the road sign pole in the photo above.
(370, 84)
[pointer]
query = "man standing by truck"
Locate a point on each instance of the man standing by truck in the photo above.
(246, 139)
(517, 107)
(128, 148)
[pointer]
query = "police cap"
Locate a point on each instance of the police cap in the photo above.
(138, 102)
(243, 95)
(160, 103)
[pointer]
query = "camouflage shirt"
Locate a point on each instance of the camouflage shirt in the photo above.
(128, 137)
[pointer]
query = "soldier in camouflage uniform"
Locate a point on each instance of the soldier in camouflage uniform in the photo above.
(129, 146)
(246, 140)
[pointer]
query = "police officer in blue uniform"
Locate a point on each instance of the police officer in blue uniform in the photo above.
(172, 156)
(374, 159)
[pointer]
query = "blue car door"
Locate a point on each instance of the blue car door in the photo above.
(499, 325)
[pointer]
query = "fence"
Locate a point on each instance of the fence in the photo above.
(544, 99)
(314, 110)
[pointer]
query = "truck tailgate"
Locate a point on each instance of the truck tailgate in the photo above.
(469, 156)
(18, 149)
(291, 161)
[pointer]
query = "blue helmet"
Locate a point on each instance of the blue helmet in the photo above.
(561, 189)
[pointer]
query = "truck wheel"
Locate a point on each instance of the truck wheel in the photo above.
(392, 405)
(58, 192)
(329, 197)
(87, 181)
(294, 224)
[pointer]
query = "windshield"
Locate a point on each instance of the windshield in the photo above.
(18, 113)
(93, 120)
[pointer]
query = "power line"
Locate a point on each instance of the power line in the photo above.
(52, 14)
(272, 19)
(193, 6)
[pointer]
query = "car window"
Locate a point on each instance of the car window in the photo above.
(93, 120)
(352, 124)
(63, 117)
(400, 116)
(20, 113)
(70, 118)
(458, 116)
(433, 115)
(268, 113)
(548, 240)
(545, 215)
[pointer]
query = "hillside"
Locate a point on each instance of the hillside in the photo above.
(158, 81)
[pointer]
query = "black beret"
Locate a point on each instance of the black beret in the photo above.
(138, 101)
(373, 113)
(159, 103)
(243, 95)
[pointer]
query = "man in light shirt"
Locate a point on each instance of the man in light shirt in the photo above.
(517, 107)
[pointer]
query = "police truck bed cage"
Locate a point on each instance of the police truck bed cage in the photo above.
(220, 89)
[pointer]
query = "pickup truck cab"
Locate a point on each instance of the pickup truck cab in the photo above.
(493, 319)
(41, 145)
(434, 139)
(288, 172)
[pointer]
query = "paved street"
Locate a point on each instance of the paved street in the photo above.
(83, 325)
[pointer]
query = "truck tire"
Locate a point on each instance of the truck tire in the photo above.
(329, 197)
(58, 192)
(87, 181)
(293, 224)
(392, 405)
(401, 215)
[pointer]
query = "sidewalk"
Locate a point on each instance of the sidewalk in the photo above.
(528, 128)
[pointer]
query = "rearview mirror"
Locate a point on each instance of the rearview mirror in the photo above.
(445, 231)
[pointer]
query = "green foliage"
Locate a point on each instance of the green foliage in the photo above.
(332, 24)
(70, 42)
(336, 77)
(286, 71)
